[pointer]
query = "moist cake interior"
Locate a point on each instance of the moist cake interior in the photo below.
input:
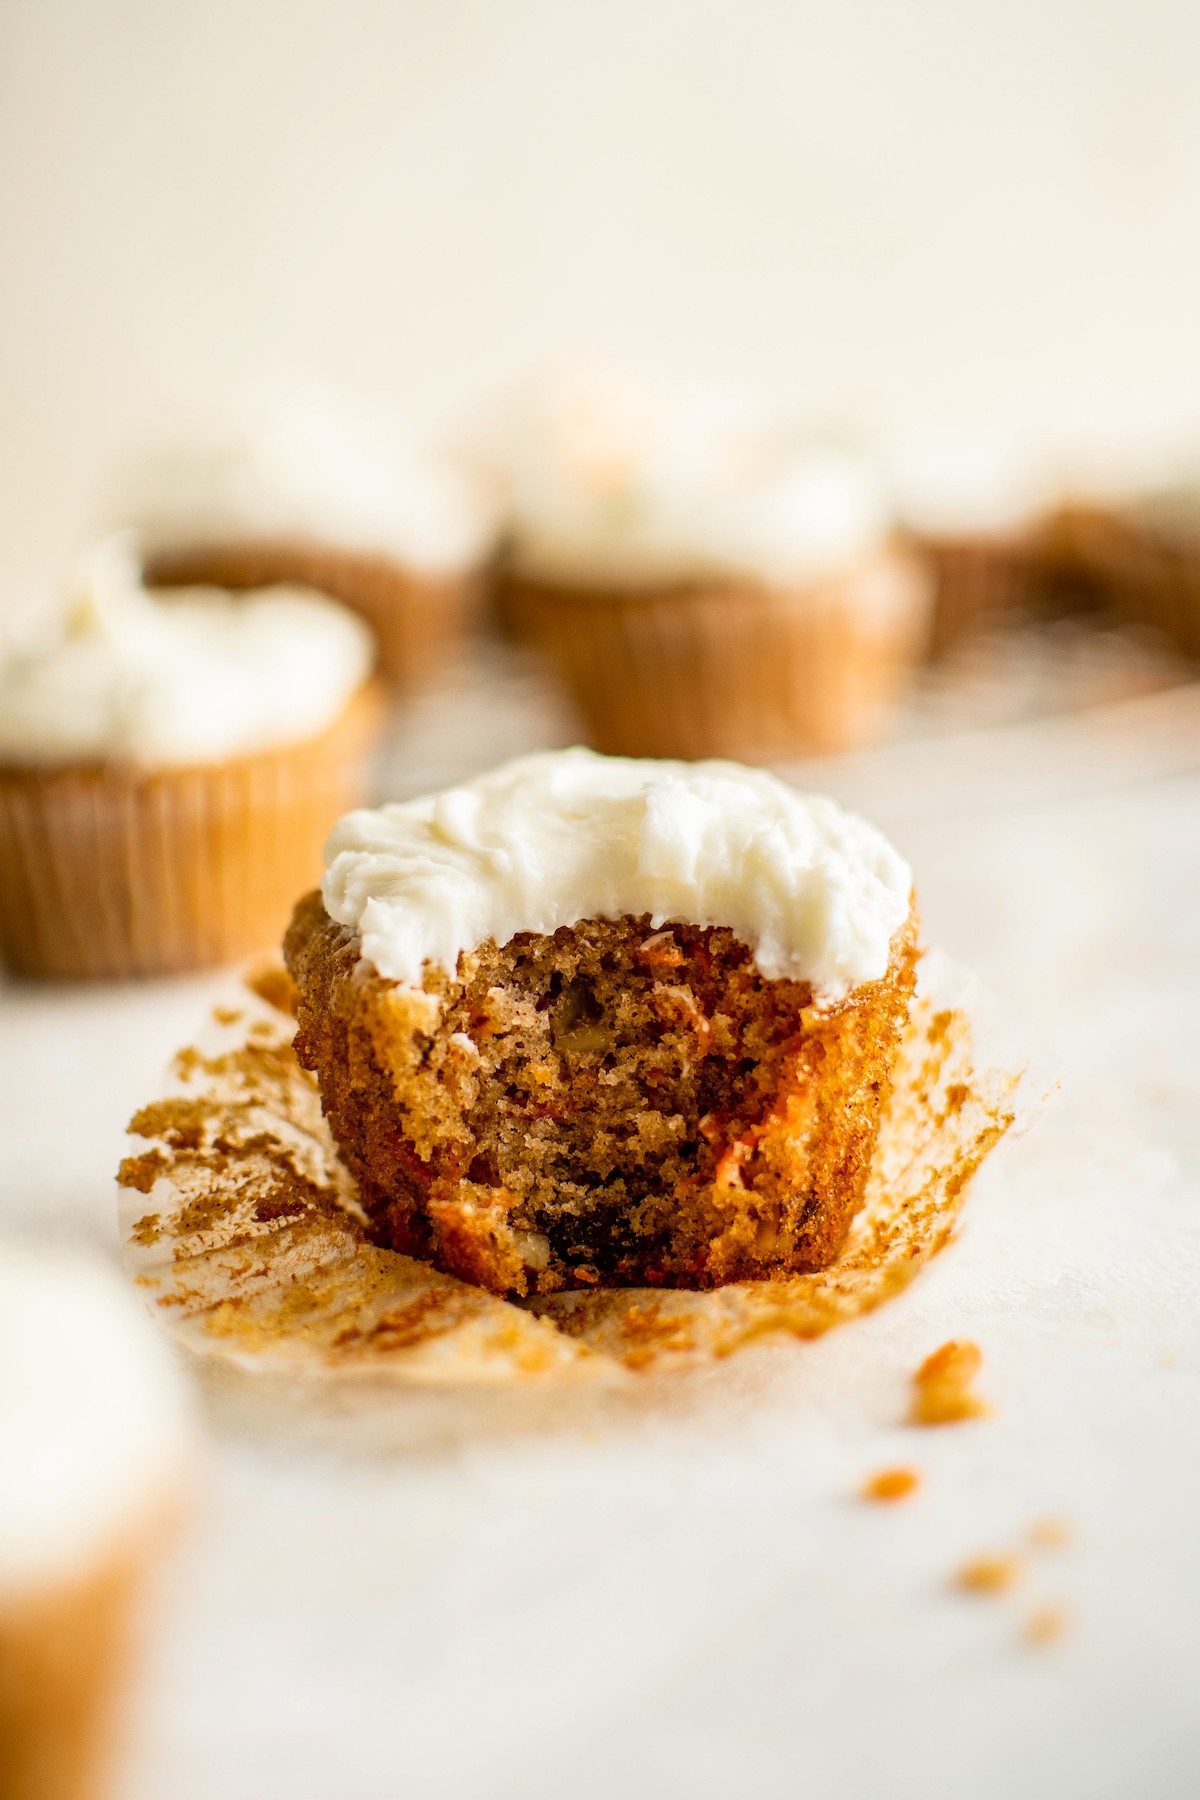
(610, 1103)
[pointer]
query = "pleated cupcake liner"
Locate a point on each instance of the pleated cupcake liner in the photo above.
(732, 668)
(983, 584)
(112, 871)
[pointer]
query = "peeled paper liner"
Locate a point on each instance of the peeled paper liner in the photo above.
(243, 1228)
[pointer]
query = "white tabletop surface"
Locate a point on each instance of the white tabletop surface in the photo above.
(693, 1601)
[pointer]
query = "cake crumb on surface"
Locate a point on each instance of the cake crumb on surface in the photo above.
(942, 1386)
(1045, 1627)
(989, 1574)
(272, 983)
(1051, 1534)
(890, 1485)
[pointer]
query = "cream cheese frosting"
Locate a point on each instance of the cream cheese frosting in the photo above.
(314, 466)
(117, 674)
(614, 482)
(815, 892)
(96, 1432)
(960, 486)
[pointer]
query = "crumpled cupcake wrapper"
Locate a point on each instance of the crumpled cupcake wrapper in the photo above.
(244, 1231)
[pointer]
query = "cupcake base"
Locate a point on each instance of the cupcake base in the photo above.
(66, 1656)
(112, 871)
(730, 668)
(1137, 574)
(420, 621)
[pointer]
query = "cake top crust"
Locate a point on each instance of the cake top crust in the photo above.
(816, 893)
(617, 482)
(96, 1426)
(114, 673)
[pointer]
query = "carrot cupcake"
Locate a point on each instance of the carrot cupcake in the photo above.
(97, 1449)
(169, 769)
(977, 515)
(1141, 551)
(703, 584)
(331, 497)
(597, 1020)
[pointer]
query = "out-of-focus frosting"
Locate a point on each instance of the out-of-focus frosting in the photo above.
(815, 892)
(194, 676)
(1171, 509)
(965, 487)
(317, 468)
(96, 1433)
(616, 483)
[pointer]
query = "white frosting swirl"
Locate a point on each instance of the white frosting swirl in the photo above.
(193, 676)
(95, 1428)
(615, 483)
(315, 468)
(816, 893)
(948, 486)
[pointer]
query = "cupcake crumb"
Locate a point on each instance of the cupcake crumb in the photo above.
(890, 1485)
(989, 1575)
(1051, 1534)
(942, 1386)
(272, 983)
(1045, 1627)
(226, 1015)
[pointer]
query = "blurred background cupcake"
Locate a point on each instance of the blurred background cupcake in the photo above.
(98, 1452)
(703, 582)
(1136, 546)
(332, 493)
(976, 512)
(169, 767)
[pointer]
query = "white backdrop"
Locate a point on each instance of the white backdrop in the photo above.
(984, 211)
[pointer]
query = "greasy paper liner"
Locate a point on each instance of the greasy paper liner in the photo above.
(731, 668)
(421, 621)
(243, 1229)
(108, 871)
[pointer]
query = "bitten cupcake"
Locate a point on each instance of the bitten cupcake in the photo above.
(702, 583)
(97, 1450)
(169, 768)
(593, 1020)
(333, 497)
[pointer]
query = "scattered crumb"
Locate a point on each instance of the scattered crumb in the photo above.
(989, 1575)
(1046, 1627)
(226, 1015)
(891, 1484)
(272, 983)
(1051, 1534)
(942, 1386)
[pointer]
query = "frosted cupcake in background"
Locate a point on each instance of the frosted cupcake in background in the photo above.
(1133, 533)
(98, 1451)
(335, 496)
(978, 514)
(703, 584)
(169, 768)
